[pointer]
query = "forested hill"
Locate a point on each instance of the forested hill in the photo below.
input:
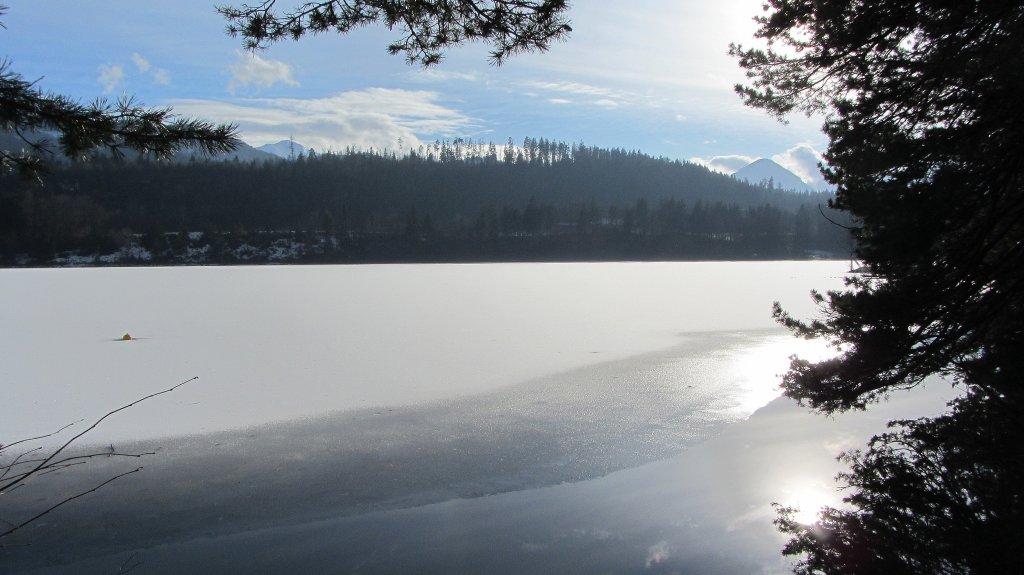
(449, 202)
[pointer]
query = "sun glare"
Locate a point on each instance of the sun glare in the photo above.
(808, 499)
(757, 372)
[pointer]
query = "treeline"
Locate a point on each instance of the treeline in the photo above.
(451, 201)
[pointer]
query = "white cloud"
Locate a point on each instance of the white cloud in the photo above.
(842, 442)
(161, 76)
(251, 69)
(802, 160)
(375, 117)
(762, 514)
(110, 77)
(157, 75)
(559, 101)
(658, 553)
(572, 88)
(141, 63)
(605, 97)
(726, 164)
(436, 75)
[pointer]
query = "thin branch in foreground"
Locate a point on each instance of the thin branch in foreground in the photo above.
(833, 222)
(3, 447)
(8, 468)
(130, 564)
(50, 464)
(47, 461)
(69, 499)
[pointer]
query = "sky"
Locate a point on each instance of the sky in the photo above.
(651, 75)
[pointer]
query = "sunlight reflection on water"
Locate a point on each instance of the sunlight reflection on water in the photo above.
(757, 372)
(808, 495)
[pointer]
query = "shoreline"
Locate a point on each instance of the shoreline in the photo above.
(411, 261)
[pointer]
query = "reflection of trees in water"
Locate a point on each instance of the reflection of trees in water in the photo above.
(937, 495)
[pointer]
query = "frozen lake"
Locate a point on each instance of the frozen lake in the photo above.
(280, 343)
(424, 418)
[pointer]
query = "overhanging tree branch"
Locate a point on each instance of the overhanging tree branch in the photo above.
(509, 26)
(82, 129)
(35, 116)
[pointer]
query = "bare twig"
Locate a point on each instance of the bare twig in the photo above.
(69, 499)
(3, 447)
(833, 222)
(17, 461)
(11, 480)
(43, 464)
(128, 566)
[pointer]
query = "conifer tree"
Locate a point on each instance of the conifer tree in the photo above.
(52, 126)
(926, 148)
(427, 28)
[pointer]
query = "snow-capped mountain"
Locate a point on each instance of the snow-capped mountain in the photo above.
(765, 170)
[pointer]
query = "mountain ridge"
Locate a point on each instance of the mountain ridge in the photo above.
(286, 149)
(770, 172)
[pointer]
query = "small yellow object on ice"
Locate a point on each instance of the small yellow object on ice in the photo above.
(126, 337)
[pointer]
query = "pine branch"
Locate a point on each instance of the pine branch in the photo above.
(82, 129)
(428, 28)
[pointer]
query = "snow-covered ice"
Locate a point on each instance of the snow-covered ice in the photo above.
(500, 418)
(274, 343)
